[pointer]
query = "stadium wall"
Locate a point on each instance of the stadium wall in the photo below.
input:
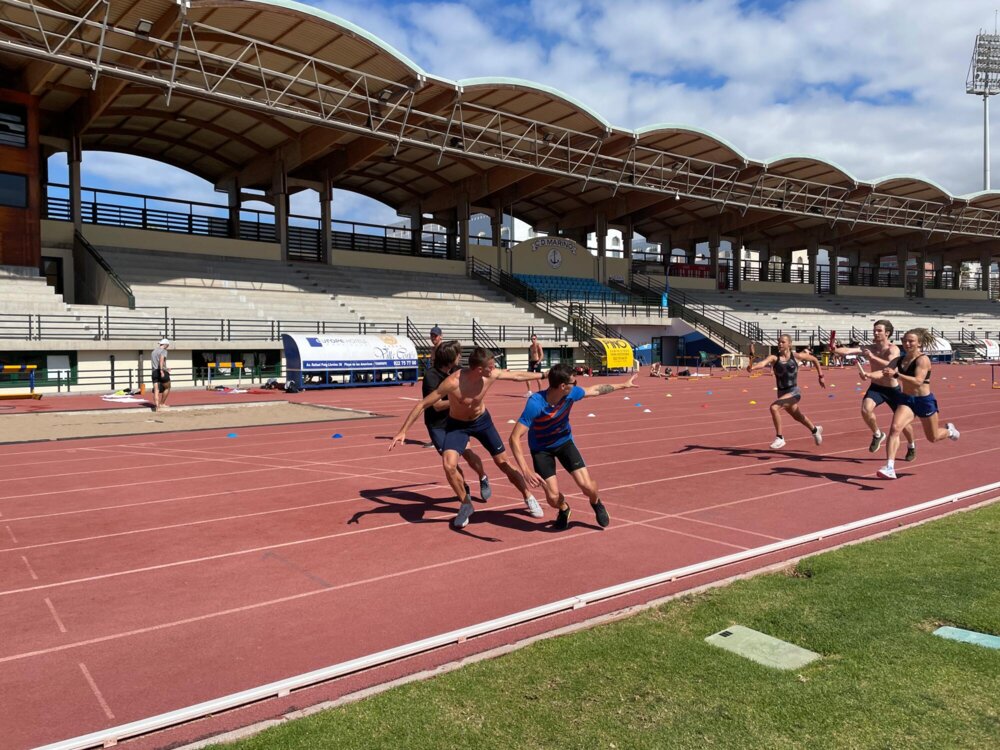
(774, 287)
(405, 262)
(962, 294)
(870, 291)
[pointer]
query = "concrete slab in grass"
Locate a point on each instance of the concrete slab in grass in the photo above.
(762, 648)
(969, 636)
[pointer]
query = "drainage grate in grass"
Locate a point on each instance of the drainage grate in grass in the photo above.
(762, 648)
(968, 636)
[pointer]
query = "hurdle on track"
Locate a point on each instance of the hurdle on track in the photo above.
(215, 366)
(30, 369)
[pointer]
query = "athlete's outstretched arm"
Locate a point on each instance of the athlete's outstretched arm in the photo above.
(527, 471)
(847, 351)
(769, 360)
(600, 390)
(433, 397)
(518, 376)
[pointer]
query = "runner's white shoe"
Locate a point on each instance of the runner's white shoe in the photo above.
(887, 472)
(778, 443)
(952, 432)
(818, 435)
(461, 520)
(534, 509)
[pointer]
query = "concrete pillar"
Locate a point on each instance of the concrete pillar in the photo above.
(463, 213)
(985, 260)
(692, 251)
(786, 266)
(921, 272)
(326, 223)
(74, 160)
(956, 276)
(812, 254)
(496, 232)
(714, 241)
(902, 256)
(233, 194)
(451, 236)
(279, 192)
(627, 235)
(854, 263)
(601, 232)
(736, 245)
(416, 233)
(833, 254)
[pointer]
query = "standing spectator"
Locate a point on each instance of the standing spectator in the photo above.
(534, 362)
(160, 375)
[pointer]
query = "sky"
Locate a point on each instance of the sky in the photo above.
(875, 86)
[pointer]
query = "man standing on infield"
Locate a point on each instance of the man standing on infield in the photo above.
(534, 361)
(550, 438)
(883, 390)
(466, 391)
(160, 375)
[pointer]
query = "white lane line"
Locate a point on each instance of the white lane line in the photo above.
(55, 615)
(97, 692)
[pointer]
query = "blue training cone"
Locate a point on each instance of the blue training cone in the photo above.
(231, 435)
(336, 435)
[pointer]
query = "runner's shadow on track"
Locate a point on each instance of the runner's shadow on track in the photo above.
(854, 481)
(408, 441)
(518, 520)
(412, 507)
(766, 454)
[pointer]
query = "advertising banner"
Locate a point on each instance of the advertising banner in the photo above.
(618, 352)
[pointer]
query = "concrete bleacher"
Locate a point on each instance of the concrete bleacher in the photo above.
(810, 313)
(380, 295)
(23, 291)
(212, 287)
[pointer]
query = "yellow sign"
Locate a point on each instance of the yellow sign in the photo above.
(617, 353)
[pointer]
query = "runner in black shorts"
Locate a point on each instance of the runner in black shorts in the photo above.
(882, 390)
(446, 356)
(550, 439)
(913, 370)
(466, 391)
(786, 375)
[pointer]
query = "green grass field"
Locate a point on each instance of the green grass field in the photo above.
(651, 681)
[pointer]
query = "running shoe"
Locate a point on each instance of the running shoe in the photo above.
(534, 509)
(952, 432)
(818, 435)
(887, 472)
(877, 442)
(778, 443)
(465, 511)
(603, 519)
(562, 520)
(485, 491)
(911, 453)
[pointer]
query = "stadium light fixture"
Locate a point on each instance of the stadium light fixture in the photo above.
(143, 28)
(984, 81)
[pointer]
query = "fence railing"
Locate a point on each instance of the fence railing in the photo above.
(115, 326)
(305, 236)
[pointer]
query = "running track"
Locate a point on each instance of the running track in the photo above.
(142, 574)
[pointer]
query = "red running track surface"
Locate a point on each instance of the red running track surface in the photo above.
(142, 574)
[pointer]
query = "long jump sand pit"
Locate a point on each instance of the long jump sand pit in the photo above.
(21, 428)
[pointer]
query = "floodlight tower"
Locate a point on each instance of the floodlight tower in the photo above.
(984, 81)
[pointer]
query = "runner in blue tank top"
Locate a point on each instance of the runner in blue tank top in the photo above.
(550, 438)
(785, 365)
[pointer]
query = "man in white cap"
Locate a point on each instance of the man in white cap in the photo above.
(161, 375)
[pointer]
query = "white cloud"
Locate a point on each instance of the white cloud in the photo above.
(876, 86)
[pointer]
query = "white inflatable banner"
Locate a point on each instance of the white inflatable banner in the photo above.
(990, 349)
(335, 351)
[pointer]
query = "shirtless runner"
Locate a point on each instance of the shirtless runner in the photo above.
(466, 392)
(882, 390)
